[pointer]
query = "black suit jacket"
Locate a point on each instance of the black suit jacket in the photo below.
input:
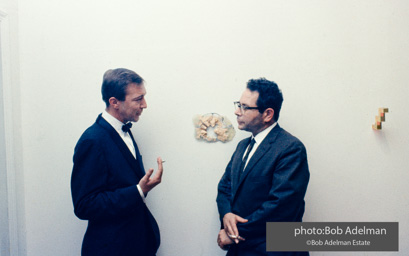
(104, 192)
(271, 189)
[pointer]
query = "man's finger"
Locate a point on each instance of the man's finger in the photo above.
(240, 219)
(235, 230)
(159, 173)
(236, 239)
(160, 163)
(148, 174)
(145, 178)
(229, 229)
(233, 236)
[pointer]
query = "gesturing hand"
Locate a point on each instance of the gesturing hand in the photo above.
(147, 183)
(230, 221)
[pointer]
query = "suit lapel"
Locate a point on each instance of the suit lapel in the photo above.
(138, 157)
(262, 149)
(237, 163)
(136, 165)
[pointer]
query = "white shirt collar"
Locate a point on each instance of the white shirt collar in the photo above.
(117, 125)
(113, 121)
(258, 138)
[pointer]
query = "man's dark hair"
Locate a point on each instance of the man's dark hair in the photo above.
(116, 81)
(270, 95)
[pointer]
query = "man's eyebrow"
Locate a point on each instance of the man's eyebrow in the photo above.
(139, 97)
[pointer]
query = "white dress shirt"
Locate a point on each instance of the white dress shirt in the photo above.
(117, 125)
(258, 139)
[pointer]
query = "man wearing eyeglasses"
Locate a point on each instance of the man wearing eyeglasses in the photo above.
(266, 178)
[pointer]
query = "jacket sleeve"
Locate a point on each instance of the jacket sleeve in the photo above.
(224, 193)
(286, 196)
(92, 198)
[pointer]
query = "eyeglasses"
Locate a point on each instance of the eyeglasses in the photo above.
(242, 107)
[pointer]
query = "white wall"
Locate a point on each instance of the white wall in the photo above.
(4, 227)
(336, 62)
(12, 232)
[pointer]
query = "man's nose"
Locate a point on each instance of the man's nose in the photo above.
(144, 104)
(237, 112)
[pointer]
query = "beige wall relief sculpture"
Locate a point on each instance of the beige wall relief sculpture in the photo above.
(213, 127)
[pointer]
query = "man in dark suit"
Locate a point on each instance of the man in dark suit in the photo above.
(266, 178)
(108, 182)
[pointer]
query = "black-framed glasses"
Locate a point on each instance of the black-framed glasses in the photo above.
(242, 107)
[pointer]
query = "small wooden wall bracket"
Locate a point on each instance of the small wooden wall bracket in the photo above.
(380, 118)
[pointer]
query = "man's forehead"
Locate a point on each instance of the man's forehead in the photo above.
(134, 88)
(249, 97)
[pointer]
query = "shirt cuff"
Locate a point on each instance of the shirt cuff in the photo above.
(141, 192)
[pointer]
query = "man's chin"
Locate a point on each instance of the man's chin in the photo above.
(135, 119)
(241, 126)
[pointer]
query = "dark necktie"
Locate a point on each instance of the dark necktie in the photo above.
(127, 128)
(243, 163)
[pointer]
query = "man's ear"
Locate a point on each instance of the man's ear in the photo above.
(114, 102)
(268, 115)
